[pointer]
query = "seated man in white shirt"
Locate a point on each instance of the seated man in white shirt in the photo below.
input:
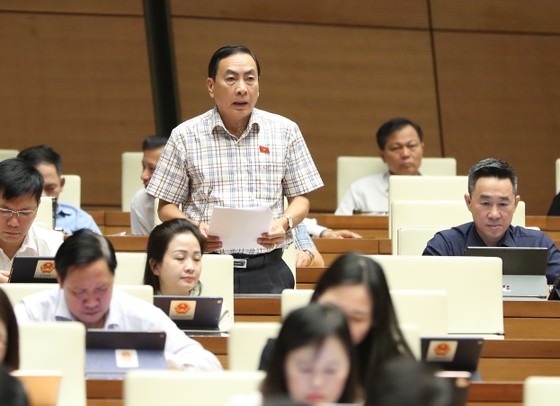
(401, 148)
(85, 265)
(21, 186)
(142, 210)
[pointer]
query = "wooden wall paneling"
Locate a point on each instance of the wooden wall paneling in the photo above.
(385, 13)
(80, 83)
(538, 16)
(123, 7)
(338, 83)
(499, 97)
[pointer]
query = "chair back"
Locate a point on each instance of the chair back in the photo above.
(473, 286)
(142, 292)
(246, 342)
(72, 192)
(8, 153)
(413, 240)
(442, 213)
(131, 163)
(178, 388)
(412, 337)
(17, 291)
(427, 309)
(289, 257)
(292, 299)
(352, 168)
(217, 278)
(540, 390)
(45, 213)
(57, 346)
(130, 268)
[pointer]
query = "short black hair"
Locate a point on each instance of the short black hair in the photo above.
(492, 168)
(395, 124)
(82, 248)
(42, 154)
(153, 142)
(12, 392)
(19, 178)
(7, 316)
(226, 51)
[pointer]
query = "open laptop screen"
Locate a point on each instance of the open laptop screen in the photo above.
(33, 270)
(516, 260)
(192, 313)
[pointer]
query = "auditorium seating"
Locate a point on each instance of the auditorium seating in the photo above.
(178, 388)
(57, 346)
(72, 192)
(131, 168)
(245, 343)
(540, 390)
(352, 168)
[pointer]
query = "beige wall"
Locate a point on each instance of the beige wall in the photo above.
(481, 77)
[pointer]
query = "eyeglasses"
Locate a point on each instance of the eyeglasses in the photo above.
(7, 213)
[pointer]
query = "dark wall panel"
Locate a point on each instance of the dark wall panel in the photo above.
(499, 97)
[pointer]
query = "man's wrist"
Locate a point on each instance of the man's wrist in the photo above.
(311, 254)
(323, 232)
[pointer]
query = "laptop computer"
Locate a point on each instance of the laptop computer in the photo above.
(33, 270)
(110, 353)
(453, 353)
(524, 269)
(192, 313)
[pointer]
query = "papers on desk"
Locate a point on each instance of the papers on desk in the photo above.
(240, 228)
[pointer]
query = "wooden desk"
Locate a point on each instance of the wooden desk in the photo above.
(332, 248)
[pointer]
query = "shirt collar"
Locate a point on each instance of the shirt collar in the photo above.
(254, 122)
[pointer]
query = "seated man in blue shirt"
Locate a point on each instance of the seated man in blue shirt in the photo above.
(68, 217)
(85, 265)
(492, 199)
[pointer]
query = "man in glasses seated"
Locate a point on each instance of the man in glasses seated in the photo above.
(21, 186)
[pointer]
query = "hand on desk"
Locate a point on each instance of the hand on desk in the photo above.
(275, 235)
(4, 275)
(339, 234)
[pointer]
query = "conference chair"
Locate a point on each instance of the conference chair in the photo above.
(246, 342)
(178, 388)
(45, 213)
(540, 390)
(72, 192)
(352, 168)
(413, 240)
(57, 346)
(426, 309)
(131, 164)
(292, 299)
(443, 214)
(558, 176)
(217, 278)
(142, 292)
(413, 338)
(473, 286)
(130, 268)
(289, 257)
(426, 188)
(8, 153)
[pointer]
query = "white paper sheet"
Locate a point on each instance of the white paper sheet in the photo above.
(240, 228)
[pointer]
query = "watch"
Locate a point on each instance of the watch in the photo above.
(312, 255)
(290, 222)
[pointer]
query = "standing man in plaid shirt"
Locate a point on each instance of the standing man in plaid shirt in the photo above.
(235, 155)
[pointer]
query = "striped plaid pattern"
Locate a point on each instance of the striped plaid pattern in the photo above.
(269, 161)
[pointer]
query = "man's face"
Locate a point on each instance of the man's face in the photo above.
(492, 204)
(149, 162)
(403, 151)
(14, 228)
(236, 87)
(88, 290)
(53, 183)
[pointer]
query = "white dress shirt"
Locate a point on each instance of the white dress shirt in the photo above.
(142, 215)
(369, 195)
(37, 242)
(126, 313)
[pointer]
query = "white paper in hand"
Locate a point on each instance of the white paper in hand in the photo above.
(240, 228)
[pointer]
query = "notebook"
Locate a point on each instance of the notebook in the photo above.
(42, 387)
(110, 353)
(192, 313)
(33, 270)
(524, 269)
(453, 353)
